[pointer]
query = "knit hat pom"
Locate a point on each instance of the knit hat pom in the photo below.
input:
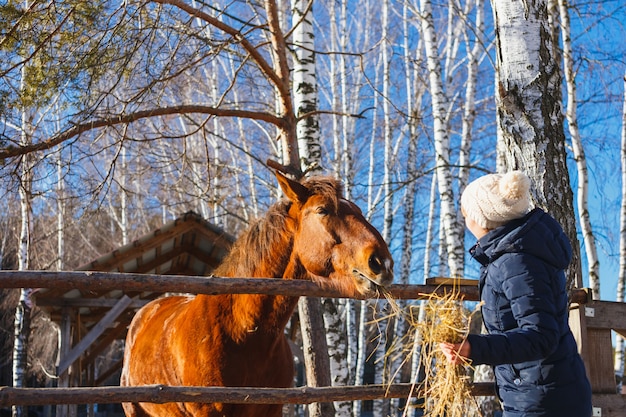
(495, 199)
(514, 185)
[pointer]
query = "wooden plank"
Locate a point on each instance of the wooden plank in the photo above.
(601, 370)
(118, 332)
(62, 410)
(578, 325)
(577, 295)
(451, 281)
(93, 334)
(233, 395)
(609, 405)
(103, 282)
(606, 315)
(107, 373)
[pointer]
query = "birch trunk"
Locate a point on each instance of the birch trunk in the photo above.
(530, 120)
(366, 305)
(381, 368)
(336, 337)
(621, 282)
(430, 227)
(593, 263)
(448, 213)
(305, 88)
(401, 327)
(60, 212)
(316, 348)
(24, 305)
(342, 373)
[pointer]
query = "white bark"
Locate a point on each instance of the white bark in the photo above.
(469, 109)
(305, 88)
(621, 282)
(123, 174)
(448, 212)
(387, 147)
(593, 262)
(336, 338)
(361, 353)
(381, 368)
(60, 212)
(24, 306)
(430, 227)
(530, 118)
(411, 168)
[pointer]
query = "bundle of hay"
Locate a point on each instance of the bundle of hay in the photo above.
(446, 388)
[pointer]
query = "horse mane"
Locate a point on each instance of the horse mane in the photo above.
(271, 237)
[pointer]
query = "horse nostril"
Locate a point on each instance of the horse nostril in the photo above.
(375, 264)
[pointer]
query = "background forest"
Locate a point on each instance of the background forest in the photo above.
(118, 116)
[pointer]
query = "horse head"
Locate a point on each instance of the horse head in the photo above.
(333, 242)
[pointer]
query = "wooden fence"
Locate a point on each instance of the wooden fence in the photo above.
(100, 281)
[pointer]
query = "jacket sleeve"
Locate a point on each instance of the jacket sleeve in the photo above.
(528, 287)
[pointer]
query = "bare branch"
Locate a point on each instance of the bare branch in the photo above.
(13, 151)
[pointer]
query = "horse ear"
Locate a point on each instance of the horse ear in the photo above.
(294, 191)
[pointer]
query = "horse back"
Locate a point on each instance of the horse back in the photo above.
(185, 341)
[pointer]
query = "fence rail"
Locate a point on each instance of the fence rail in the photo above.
(103, 281)
(235, 395)
(106, 281)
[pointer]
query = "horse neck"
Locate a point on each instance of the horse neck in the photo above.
(264, 251)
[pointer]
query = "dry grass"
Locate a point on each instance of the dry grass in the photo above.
(446, 388)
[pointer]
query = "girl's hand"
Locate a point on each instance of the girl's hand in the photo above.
(456, 353)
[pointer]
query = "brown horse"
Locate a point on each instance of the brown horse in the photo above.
(238, 340)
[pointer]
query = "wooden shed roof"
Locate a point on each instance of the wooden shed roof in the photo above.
(188, 245)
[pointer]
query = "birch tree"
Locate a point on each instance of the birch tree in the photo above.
(309, 150)
(530, 120)
(621, 281)
(448, 214)
(582, 194)
(24, 305)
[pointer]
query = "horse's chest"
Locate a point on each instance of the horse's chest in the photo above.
(260, 363)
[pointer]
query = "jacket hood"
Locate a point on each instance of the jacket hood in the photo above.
(537, 234)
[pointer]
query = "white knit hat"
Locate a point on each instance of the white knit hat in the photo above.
(495, 199)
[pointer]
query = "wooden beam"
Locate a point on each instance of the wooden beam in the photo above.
(106, 281)
(103, 282)
(578, 325)
(118, 332)
(106, 374)
(93, 334)
(609, 405)
(234, 395)
(606, 315)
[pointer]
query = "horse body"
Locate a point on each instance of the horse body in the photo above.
(238, 339)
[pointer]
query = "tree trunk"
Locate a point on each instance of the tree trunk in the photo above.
(621, 282)
(448, 213)
(305, 88)
(593, 263)
(335, 312)
(24, 305)
(307, 134)
(530, 120)
(315, 352)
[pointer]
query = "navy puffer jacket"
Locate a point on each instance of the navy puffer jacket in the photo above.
(525, 310)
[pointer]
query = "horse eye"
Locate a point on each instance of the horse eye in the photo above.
(323, 211)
